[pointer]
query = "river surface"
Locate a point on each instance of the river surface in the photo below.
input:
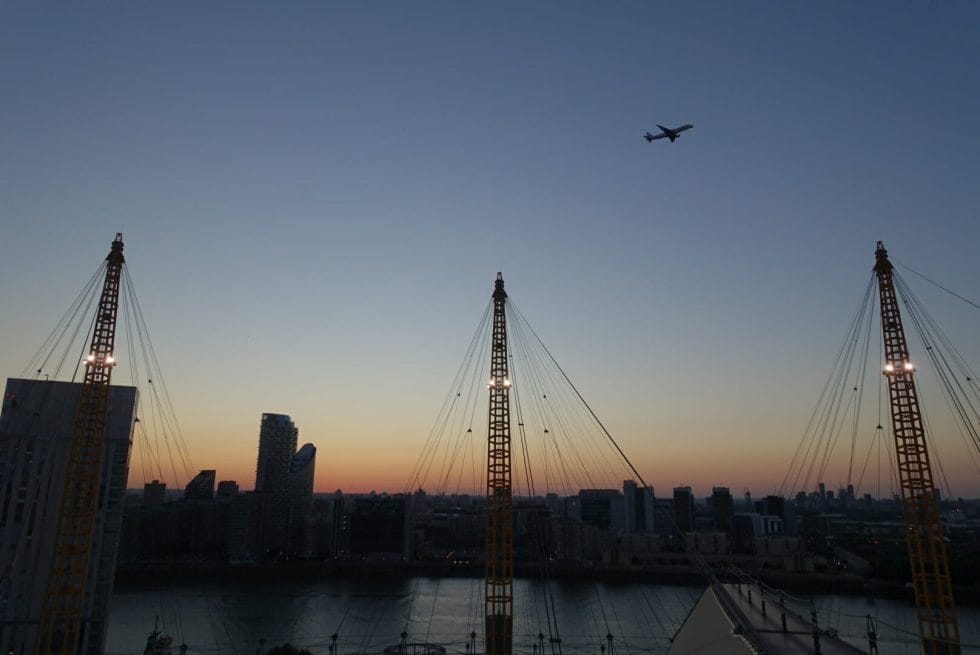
(370, 615)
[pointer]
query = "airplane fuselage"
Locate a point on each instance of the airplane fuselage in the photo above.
(670, 133)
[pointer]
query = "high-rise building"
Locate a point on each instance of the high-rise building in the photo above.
(201, 487)
(277, 443)
(684, 509)
(638, 507)
(723, 508)
(36, 426)
(340, 513)
(629, 504)
(269, 503)
(301, 472)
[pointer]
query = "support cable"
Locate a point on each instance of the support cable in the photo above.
(936, 346)
(827, 402)
(936, 284)
(70, 319)
(420, 471)
(863, 370)
(157, 381)
(584, 403)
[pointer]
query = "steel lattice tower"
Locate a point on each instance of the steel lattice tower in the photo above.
(938, 628)
(499, 585)
(61, 613)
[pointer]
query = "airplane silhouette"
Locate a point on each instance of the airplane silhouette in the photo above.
(671, 134)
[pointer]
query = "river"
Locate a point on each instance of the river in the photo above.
(232, 616)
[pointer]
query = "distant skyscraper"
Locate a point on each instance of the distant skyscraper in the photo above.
(340, 524)
(277, 443)
(629, 504)
(270, 503)
(684, 509)
(723, 507)
(638, 507)
(36, 425)
(301, 472)
(201, 487)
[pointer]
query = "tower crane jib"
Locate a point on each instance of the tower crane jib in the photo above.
(60, 626)
(938, 629)
(499, 584)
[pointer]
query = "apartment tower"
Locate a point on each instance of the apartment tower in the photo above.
(35, 436)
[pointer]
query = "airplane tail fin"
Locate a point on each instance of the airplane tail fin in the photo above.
(648, 137)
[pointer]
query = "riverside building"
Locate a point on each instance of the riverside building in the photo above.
(36, 426)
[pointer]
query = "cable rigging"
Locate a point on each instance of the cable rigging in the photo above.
(554, 431)
(87, 335)
(58, 338)
(910, 428)
(940, 286)
(841, 396)
(830, 412)
(954, 374)
(158, 427)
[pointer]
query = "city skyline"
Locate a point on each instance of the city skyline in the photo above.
(315, 202)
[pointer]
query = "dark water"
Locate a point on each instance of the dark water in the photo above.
(232, 616)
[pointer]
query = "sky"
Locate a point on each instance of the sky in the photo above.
(316, 198)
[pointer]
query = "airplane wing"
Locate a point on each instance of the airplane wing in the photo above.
(650, 137)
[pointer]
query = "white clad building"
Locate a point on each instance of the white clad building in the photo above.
(35, 434)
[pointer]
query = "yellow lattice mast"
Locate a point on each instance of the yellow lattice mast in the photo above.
(499, 585)
(938, 629)
(61, 613)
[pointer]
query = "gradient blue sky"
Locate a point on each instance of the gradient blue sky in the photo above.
(316, 197)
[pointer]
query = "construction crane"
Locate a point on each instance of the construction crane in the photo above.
(499, 584)
(61, 612)
(938, 629)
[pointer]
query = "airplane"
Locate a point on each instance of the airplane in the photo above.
(671, 134)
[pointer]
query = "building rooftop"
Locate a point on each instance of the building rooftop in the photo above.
(709, 628)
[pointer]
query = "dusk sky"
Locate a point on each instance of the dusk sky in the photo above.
(316, 198)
